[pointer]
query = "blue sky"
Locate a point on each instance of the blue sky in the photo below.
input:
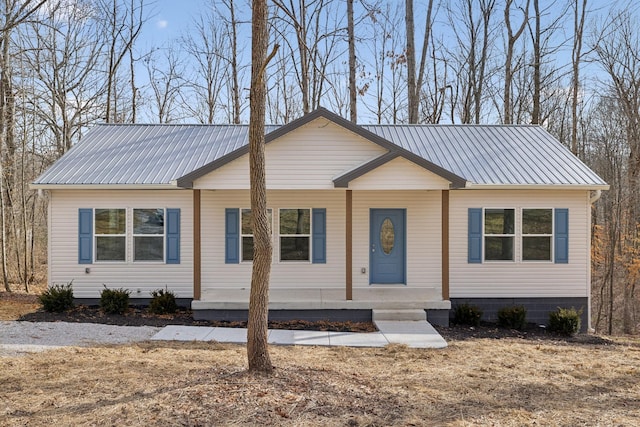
(169, 19)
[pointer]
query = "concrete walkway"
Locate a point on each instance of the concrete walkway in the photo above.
(416, 334)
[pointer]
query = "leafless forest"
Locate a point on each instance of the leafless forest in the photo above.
(572, 66)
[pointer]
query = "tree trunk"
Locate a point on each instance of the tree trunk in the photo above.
(576, 56)
(535, 113)
(508, 63)
(234, 64)
(257, 347)
(411, 63)
(352, 64)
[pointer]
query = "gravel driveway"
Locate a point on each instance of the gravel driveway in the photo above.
(26, 337)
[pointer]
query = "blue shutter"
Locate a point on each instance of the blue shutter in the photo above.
(173, 236)
(232, 239)
(475, 236)
(561, 236)
(319, 236)
(85, 236)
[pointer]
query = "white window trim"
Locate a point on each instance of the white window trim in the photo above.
(163, 235)
(309, 261)
(551, 236)
(125, 235)
(514, 235)
(242, 236)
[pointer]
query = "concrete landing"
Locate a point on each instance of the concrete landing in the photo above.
(415, 334)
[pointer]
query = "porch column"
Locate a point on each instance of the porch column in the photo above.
(445, 245)
(196, 246)
(349, 246)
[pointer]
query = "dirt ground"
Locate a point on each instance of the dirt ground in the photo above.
(509, 382)
(485, 377)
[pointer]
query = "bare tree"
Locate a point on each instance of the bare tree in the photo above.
(385, 48)
(316, 32)
(617, 54)
(13, 13)
(257, 332)
(353, 90)
(63, 51)
(473, 26)
(511, 40)
(206, 46)
(165, 80)
(122, 24)
(579, 13)
(414, 83)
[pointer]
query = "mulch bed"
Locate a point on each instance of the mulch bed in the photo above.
(139, 316)
(532, 332)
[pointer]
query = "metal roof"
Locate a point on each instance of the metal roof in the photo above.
(143, 154)
(135, 154)
(493, 154)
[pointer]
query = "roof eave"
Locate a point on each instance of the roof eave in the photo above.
(474, 186)
(170, 186)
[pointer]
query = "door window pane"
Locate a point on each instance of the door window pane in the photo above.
(387, 236)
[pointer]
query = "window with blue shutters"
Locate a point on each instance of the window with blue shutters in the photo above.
(105, 233)
(302, 235)
(541, 234)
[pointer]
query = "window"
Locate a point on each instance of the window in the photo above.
(537, 234)
(148, 234)
(110, 234)
(499, 233)
(246, 231)
(295, 234)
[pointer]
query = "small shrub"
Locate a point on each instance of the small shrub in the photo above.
(466, 314)
(57, 298)
(513, 317)
(162, 302)
(565, 321)
(114, 301)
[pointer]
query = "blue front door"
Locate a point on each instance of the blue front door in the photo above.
(387, 246)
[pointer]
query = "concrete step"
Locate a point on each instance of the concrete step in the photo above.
(398, 315)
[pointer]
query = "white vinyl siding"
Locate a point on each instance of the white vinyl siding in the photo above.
(143, 276)
(307, 158)
(423, 235)
(217, 274)
(399, 174)
(423, 241)
(520, 279)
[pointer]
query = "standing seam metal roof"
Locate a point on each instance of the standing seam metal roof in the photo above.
(160, 154)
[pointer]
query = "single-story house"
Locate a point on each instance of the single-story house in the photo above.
(364, 217)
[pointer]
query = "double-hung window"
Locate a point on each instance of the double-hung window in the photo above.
(499, 234)
(246, 231)
(148, 234)
(110, 233)
(519, 235)
(126, 235)
(295, 234)
(537, 234)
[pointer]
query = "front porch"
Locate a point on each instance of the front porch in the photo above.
(397, 297)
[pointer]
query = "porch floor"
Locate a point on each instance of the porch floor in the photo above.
(392, 297)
